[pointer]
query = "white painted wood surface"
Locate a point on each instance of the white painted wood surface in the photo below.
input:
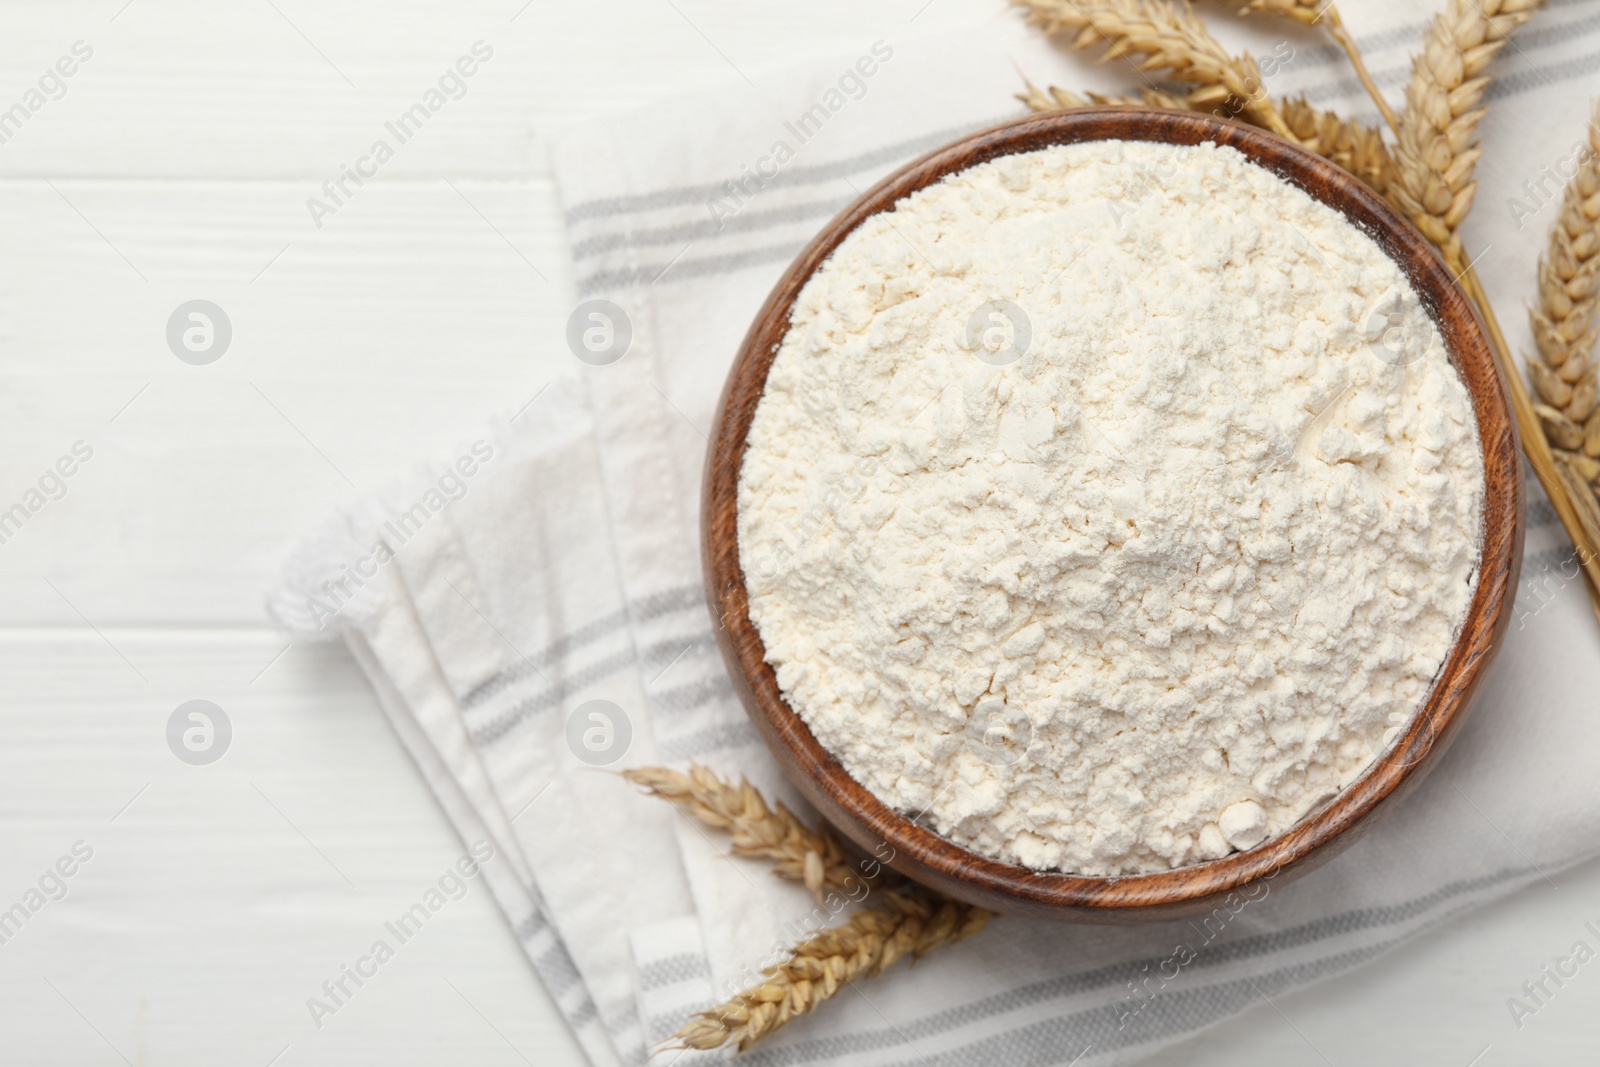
(219, 898)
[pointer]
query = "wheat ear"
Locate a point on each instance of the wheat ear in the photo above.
(1164, 37)
(1564, 329)
(1056, 98)
(1434, 162)
(1326, 15)
(1436, 150)
(1358, 149)
(904, 922)
(758, 830)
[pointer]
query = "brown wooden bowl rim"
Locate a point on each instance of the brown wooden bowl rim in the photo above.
(942, 861)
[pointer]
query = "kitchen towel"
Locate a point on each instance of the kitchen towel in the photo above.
(531, 609)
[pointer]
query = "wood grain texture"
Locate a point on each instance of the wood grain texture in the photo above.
(390, 336)
(932, 860)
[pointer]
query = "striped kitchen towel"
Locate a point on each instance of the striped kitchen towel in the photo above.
(683, 217)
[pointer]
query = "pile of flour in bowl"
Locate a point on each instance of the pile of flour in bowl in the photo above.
(1109, 506)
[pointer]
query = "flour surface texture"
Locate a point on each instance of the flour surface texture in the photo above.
(1109, 506)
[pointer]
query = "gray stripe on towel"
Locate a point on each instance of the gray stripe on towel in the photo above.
(708, 228)
(693, 695)
(498, 727)
(736, 734)
(557, 969)
(527, 928)
(626, 277)
(795, 176)
(670, 970)
(665, 602)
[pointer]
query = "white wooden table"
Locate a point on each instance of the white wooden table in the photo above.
(177, 166)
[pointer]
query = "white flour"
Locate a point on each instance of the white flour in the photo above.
(1151, 591)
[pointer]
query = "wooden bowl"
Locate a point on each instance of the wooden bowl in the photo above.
(934, 861)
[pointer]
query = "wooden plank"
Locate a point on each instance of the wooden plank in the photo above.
(215, 902)
(389, 336)
(187, 89)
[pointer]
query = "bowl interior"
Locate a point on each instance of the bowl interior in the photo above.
(917, 851)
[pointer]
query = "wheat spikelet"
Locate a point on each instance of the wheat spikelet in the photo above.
(903, 922)
(1323, 12)
(1564, 322)
(758, 830)
(1578, 474)
(1564, 330)
(1436, 152)
(1056, 98)
(1164, 37)
(1358, 149)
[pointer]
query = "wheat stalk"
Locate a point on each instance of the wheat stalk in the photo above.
(758, 830)
(1357, 148)
(1165, 37)
(1308, 12)
(1564, 330)
(1312, 13)
(1434, 162)
(904, 922)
